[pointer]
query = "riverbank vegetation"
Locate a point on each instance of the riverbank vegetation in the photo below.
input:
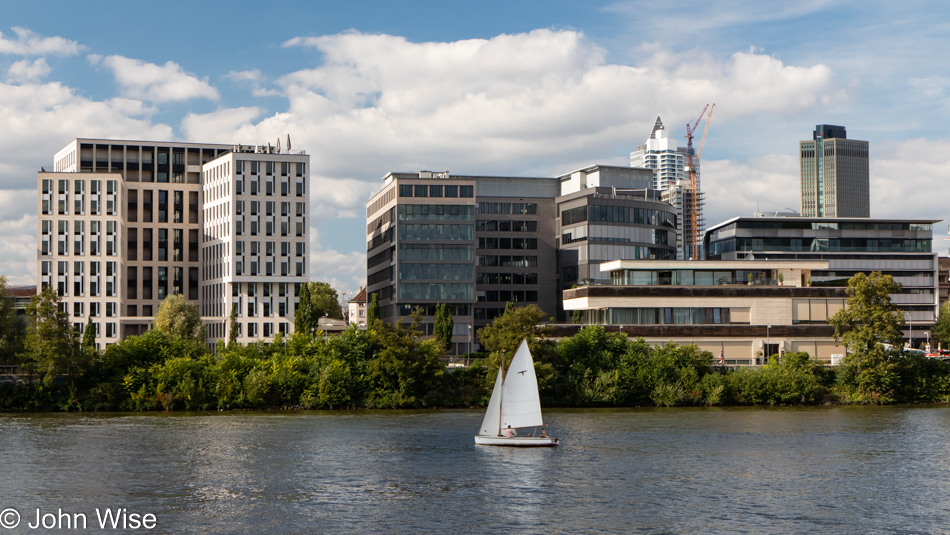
(394, 366)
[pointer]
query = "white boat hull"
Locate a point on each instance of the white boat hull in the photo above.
(516, 442)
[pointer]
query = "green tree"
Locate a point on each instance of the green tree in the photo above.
(941, 329)
(871, 331)
(444, 325)
(372, 314)
(503, 336)
(302, 314)
(89, 337)
(324, 301)
(233, 325)
(405, 370)
(12, 327)
(50, 345)
(180, 318)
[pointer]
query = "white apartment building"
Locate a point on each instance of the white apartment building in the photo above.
(123, 224)
(670, 176)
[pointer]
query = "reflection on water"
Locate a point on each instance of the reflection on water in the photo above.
(789, 470)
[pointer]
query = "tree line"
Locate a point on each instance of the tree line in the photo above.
(396, 366)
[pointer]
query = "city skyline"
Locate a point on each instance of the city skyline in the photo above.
(530, 90)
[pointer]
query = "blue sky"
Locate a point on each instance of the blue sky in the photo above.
(517, 88)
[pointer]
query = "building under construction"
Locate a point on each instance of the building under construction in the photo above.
(676, 175)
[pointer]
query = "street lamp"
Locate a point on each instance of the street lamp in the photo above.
(768, 342)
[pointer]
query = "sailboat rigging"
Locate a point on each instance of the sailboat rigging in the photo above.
(515, 404)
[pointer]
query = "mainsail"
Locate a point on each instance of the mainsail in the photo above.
(491, 425)
(521, 404)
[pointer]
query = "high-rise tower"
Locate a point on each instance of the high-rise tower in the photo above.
(671, 178)
(834, 174)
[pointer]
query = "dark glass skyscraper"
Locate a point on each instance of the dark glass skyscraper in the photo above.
(834, 174)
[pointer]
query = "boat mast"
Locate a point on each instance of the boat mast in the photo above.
(501, 392)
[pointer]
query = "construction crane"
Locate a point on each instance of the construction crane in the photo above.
(694, 210)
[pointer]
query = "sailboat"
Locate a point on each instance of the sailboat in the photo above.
(514, 405)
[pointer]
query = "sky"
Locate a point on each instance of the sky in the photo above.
(524, 88)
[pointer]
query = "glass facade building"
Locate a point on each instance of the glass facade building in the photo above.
(835, 177)
(900, 248)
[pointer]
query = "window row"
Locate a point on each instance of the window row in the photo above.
(436, 190)
(483, 225)
(436, 271)
(516, 208)
(436, 291)
(435, 212)
(507, 261)
(95, 309)
(269, 268)
(418, 251)
(508, 296)
(618, 214)
(435, 232)
(255, 167)
(506, 278)
(507, 243)
(668, 316)
(269, 227)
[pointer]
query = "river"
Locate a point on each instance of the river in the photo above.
(855, 470)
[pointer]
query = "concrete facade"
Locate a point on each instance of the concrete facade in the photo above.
(835, 174)
(737, 309)
(900, 248)
(123, 224)
(608, 213)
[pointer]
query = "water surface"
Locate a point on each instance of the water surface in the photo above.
(734, 470)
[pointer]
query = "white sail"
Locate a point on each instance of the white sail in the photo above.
(492, 422)
(521, 404)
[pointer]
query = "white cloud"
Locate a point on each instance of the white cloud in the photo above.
(345, 271)
(28, 43)
(530, 103)
(907, 181)
(18, 235)
(766, 184)
(380, 102)
(36, 120)
(226, 125)
(156, 83)
(340, 197)
(251, 76)
(24, 71)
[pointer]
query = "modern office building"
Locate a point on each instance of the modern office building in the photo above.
(610, 213)
(477, 243)
(835, 177)
(671, 177)
(943, 280)
(737, 309)
(123, 224)
(898, 247)
(474, 243)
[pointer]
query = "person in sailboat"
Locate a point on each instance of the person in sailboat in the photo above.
(544, 434)
(509, 432)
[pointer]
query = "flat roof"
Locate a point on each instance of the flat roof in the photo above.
(616, 265)
(592, 167)
(820, 220)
